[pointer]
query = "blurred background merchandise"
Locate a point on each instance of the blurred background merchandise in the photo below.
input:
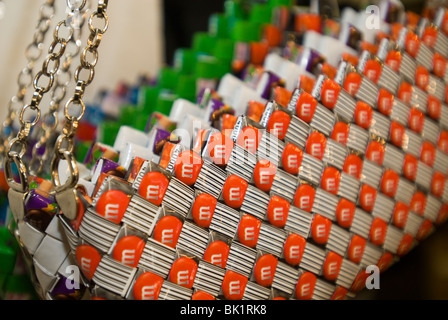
(142, 38)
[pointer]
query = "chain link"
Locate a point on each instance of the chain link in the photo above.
(42, 83)
(25, 78)
(39, 163)
(64, 144)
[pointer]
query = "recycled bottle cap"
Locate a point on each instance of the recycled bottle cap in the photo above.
(293, 249)
(203, 208)
(201, 295)
(345, 212)
(330, 180)
(332, 266)
(249, 230)
(304, 197)
(340, 133)
(147, 286)
(234, 191)
(320, 229)
(400, 216)
(363, 115)
(305, 286)
(277, 211)
(378, 231)
(385, 102)
(153, 187)
(234, 285)
(264, 270)
(389, 183)
(292, 158)
(88, 259)
(356, 249)
(128, 250)
(367, 197)
(316, 144)
(217, 253)
(183, 272)
(330, 93)
(278, 124)
(353, 166)
(167, 231)
(112, 205)
(264, 173)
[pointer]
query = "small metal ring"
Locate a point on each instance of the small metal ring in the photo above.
(46, 63)
(72, 101)
(91, 75)
(21, 186)
(61, 51)
(16, 141)
(49, 85)
(84, 61)
(104, 17)
(58, 27)
(36, 118)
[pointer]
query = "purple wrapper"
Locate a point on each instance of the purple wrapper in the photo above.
(36, 201)
(271, 81)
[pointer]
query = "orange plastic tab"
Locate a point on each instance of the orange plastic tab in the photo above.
(88, 259)
(293, 249)
(147, 286)
(203, 208)
(128, 250)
